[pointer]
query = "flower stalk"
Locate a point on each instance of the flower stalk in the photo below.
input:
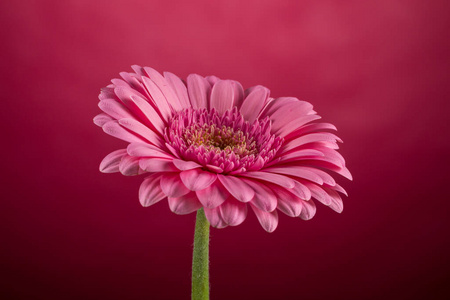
(200, 259)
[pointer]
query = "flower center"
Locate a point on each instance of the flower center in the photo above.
(214, 138)
(221, 143)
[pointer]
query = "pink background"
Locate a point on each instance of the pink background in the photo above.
(378, 70)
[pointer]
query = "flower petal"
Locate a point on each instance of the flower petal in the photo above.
(101, 119)
(197, 179)
(142, 130)
(298, 155)
(129, 166)
(310, 138)
(254, 103)
(308, 210)
(185, 165)
(114, 109)
(318, 193)
(141, 108)
(284, 110)
(165, 88)
(278, 179)
(237, 187)
(172, 185)
(213, 196)
(233, 212)
(268, 220)
(336, 201)
(214, 217)
(158, 98)
(339, 189)
(224, 95)
(110, 164)
(212, 79)
(179, 88)
(314, 127)
(114, 129)
(199, 90)
(150, 191)
(157, 165)
(146, 150)
(288, 203)
(297, 171)
(301, 191)
(184, 205)
(264, 198)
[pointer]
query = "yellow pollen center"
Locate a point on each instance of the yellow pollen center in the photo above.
(220, 139)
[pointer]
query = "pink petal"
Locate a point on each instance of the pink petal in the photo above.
(150, 190)
(102, 119)
(185, 165)
(133, 81)
(331, 156)
(318, 193)
(215, 169)
(264, 198)
(110, 164)
(296, 123)
(172, 185)
(238, 94)
(314, 127)
(288, 203)
(310, 138)
(297, 171)
(199, 90)
(114, 109)
(308, 210)
(301, 191)
(141, 108)
(278, 179)
(326, 164)
(336, 201)
(340, 189)
(184, 205)
(237, 187)
(282, 111)
(157, 165)
(254, 103)
(212, 79)
(298, 155)
(268, 220)
(129, 166)
(142, 130)
(158, 98)
(146, 150)
(213, 196)
(138, 70)
(114, 129)
(233, 212)
(164, 87)
(214, 217)
(223, 95)
(179, 88)
(197, 179)
(107, 93)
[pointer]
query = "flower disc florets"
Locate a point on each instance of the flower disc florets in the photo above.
(222, 143)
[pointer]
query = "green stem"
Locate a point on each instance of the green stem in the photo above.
(200, 260)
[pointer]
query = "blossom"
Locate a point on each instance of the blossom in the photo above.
(208, 143)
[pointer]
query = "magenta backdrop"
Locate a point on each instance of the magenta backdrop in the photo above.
(379, 70)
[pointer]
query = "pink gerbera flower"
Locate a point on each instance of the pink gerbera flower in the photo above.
(208, 143)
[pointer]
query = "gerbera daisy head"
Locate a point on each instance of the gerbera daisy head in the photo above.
(208, 143)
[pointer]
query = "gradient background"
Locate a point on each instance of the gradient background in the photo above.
(378, 70)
